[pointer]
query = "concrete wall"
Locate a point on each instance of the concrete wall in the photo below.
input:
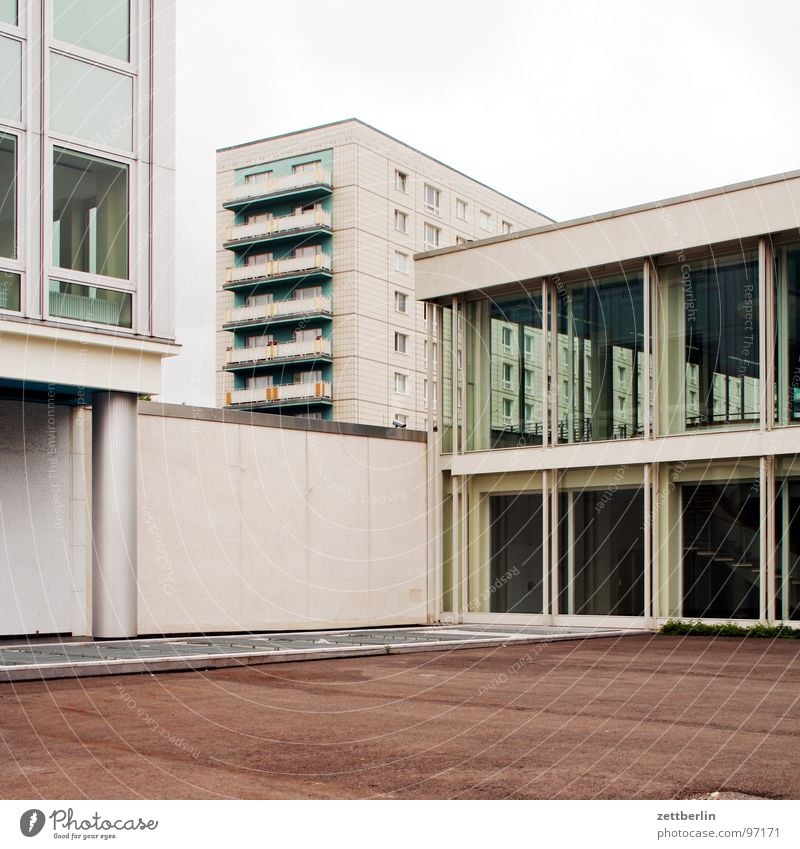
(267, 523)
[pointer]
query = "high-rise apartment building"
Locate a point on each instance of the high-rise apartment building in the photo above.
(86, 296)
(316, 233)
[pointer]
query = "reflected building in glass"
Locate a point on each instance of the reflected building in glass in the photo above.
(616, 444)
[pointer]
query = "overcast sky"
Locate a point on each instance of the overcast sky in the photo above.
(572, 107)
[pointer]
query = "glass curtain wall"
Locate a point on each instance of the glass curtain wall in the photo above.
(787, 315)
(8, 196)
(599, 360)
(505, 373)
(787, 537)
(708, 329)
(109, 32)
(601, 556)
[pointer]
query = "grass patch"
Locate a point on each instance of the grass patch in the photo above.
(677, 628)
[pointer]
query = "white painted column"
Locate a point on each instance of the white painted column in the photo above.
(114, 445)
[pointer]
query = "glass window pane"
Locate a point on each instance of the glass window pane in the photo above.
(9, 291)
(787, 314)
(99, 25)
(599, 360)
(709, 371)
(88, 303)
(8, 11)
(787, 536)
(8, 196)
(10, 79)
(513, 582)
(90, 214)
(601, 552)
(74, 84)
(721, 527)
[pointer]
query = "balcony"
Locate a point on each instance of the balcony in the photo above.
(316, 181)
(277, 352)
(273, 229)
(287, 395)
(278, 312)
(278, 269)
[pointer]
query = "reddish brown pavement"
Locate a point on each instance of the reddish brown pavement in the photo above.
(636, 717)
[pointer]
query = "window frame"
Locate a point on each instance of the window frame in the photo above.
(93, 56)
(401, 377)
(465, 204)
(401, 259)
(402, 347)
(401, 297)
(433, 206)
(436, 231)
(486, 216)
(401, 181)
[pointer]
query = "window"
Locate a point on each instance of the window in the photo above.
(8, 11)
(401, 343)
(508, 410)
(401, 419)
(108, 33)
(432, 198)
(90, 214)
(74, 84)
(401, 302)
(485, 220)
(89, 303)
(305, 250)
(431, 235)
(424, 391)
(425, 312)
(460, 240)
(401, 181)
(506, 337)
(8, 196)
(401, 262)
(505, 227)
(9, 291)
(435, 354)
(301, 167)
(425, 351)
(507, 376)
(261, 177)
(461, 210)
(529, 386)
(11, 76)
(400, 383)
(401, 221)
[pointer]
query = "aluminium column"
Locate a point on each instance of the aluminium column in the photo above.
(114, 444)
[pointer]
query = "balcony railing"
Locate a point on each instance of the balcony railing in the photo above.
(279, 267)
(309, 392)
(278, 226)
(279, 351)
(280, 309)
(279, 185)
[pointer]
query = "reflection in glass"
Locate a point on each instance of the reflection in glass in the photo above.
(88, 303)
(515, 575)
(9, 291)
(90, 214)
(505, 372)
(600, 363)
(721, 526)
(11, 77)
(787, 572)
(787, 267)
(709, 374)
(99, 25)
(8, 196)
(109, 121)
(601, 552)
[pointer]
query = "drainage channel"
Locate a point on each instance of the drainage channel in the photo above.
(36, 661)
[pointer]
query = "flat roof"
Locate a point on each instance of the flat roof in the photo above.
(385, 135)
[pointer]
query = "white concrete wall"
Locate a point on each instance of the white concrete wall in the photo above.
(246, 526)
(38, 593)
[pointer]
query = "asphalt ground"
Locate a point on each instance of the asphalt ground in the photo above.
(612, 718)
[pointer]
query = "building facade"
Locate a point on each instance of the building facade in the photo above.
(86, 295)
(620, 443)
(316, 312)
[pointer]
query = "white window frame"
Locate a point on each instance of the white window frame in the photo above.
(400, 217)
(430, 230)
(434, 203)
(485, 221)
(401, 298)
(462, 206)
(506, 227)
(401, 181)
(400, 380)
(401, 342)
(401, 262)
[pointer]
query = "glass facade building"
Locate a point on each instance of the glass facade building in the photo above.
(626, 451)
